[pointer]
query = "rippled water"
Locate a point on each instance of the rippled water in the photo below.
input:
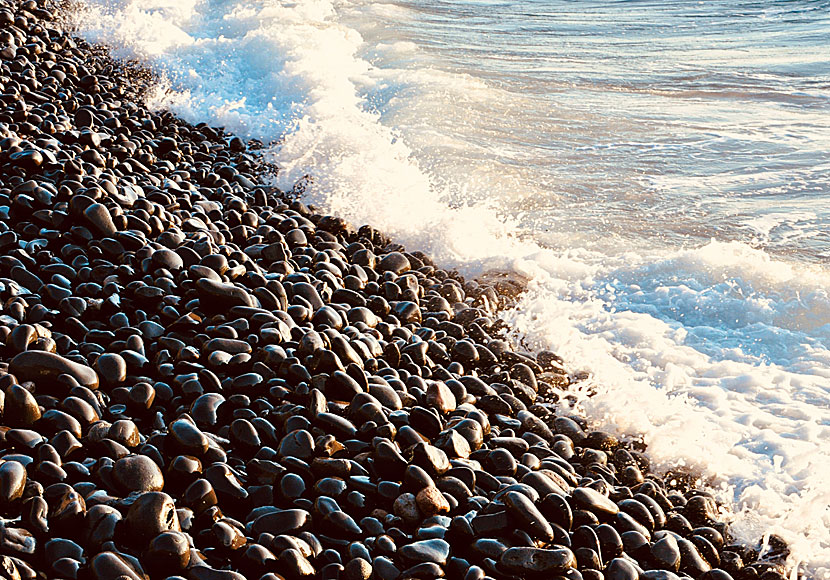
(706, 119)
(659, 170)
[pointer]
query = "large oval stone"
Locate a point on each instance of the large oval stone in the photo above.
(221, 296)
(291, 521)
(12, 483)
(593, 501)
(44, 368)
(535, 562)
(137, 473)
(151, 514)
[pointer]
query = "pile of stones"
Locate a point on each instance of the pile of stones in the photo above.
(202, 378)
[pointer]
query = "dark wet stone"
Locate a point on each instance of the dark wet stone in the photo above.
(168, 552)
(54, 421)
(706, 550)
(691, 561)
(200, 496)
(298, 444)
(716, 574)
(289, 521)
(67, 508)
(595, 502)
(204, 409)
(137, 473)
(425, 570)
(227, 536)
(436, 551)
(24, 438)
(621, 569)
(34, 513)
(12, 483)
(535, 562)
(100, 218)
(168, 260)
(187, 438)
(149, 515)
(341, 525)
(29, 159)
(528, 517)
(666, 553)
(225, 483)
(21, 408)
(112, 368)
(338, 426)
(295, 564)
(63, 548)
(638, 511)
(430, 459)
(244, 437)
(700, 510)
(659, 575)
(44, 368)
(208, 573)
(221, 297)
(110, 565)
(394, 262)
(228, 345)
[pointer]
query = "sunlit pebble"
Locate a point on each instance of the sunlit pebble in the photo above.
(204, 378)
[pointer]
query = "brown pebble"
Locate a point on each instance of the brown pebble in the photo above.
(151, 514)
(44, 368)
(12, 483)
(137, 473)
(432, 502)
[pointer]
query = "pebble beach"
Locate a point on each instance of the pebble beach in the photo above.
(202, 377)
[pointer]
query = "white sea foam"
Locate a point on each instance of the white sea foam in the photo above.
(717, 355)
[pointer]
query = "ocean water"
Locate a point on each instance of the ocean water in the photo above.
(659, 172)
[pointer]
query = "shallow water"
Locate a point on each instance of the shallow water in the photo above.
(659, 169)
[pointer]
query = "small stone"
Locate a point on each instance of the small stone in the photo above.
(432, 502)
(358, 569)
(168, 552)
(431, 459)
(291, 521)
(528, 516)
(168, 259)
(21, 408)
(149, 515)
(436, 551)
(298, 444)
(12, 483)
(537, 561)
(100, 218)
(621, 569)
(341, 525)
(595, 502)
(110, 565)
(221, 297)
(440, 397)
(187, 438)
(394, 262)
(137, 473)
(112, 368)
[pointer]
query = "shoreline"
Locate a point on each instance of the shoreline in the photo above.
(235, 333)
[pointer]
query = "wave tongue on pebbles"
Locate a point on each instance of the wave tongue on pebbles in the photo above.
(218, 378)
